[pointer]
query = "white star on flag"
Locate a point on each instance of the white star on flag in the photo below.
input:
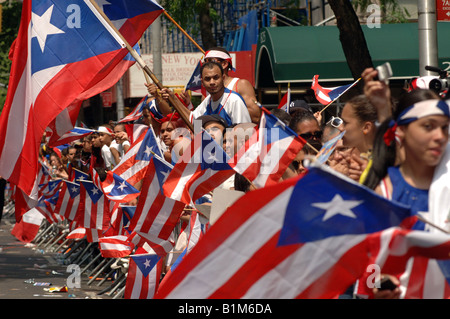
(338, 206)
(281, 124)
(212, 157)
(148, 150)
(42, 27)
(165, 174)
(94, 191)
(196, 79)
(74, 189)
(147, 263)
(122, 186)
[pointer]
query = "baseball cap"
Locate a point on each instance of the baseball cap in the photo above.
(299, 104)
(212, 118)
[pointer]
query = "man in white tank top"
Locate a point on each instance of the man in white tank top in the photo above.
(241, 86)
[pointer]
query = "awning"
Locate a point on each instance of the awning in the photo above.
(296, 54)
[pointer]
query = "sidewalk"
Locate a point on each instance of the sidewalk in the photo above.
(26, 270)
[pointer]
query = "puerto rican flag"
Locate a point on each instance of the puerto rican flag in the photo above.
(73, 135)
(62, 124)
(117, 189)
(161, 246)
(144, 274)
(195, 82)
(135, 130)
(137, 111)
(97, 208)
(45, 59)
(79, 176)
(328, 95)
(127, 215)
(27, 228)
(23, 202)
(43, 175)
(419, 259)
(115, 246)
(155, 213)
(69, 200)
(120, 220)
(268, 152)
(134, 163)
(202, 167)
(286, 101)
(50, 188)
(46, 206)
(77, 234)
(311, 231)
(131, 19)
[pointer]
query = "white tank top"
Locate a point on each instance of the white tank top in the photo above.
(233, 84)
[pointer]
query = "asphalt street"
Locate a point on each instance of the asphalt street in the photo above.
(28, 272)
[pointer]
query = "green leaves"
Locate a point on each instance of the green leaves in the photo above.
(10, 26)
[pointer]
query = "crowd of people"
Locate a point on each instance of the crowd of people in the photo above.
(391, 144)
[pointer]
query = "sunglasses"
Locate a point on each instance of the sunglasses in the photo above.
(304, 163)
(296, 164)
(335, 122)
(315, 135)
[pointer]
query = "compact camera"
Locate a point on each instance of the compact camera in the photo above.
(384, 72)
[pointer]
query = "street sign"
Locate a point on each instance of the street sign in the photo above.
(443, 10)
(106, 99)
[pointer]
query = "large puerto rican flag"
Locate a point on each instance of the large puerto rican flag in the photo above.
(306, 237)
(64, 52)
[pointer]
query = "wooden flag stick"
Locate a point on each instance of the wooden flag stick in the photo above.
(176, 104)
(147, 79)
(184, 32)
(431, 224)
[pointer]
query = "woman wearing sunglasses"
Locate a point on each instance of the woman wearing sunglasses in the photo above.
(305, 124)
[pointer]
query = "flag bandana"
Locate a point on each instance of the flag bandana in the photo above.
(422, 109)
(220, 55)
(415, 112)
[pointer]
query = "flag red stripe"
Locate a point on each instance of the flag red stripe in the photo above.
(174, 176)
(19, 62)
(343, 272)
(416, 280)
(264, 260)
